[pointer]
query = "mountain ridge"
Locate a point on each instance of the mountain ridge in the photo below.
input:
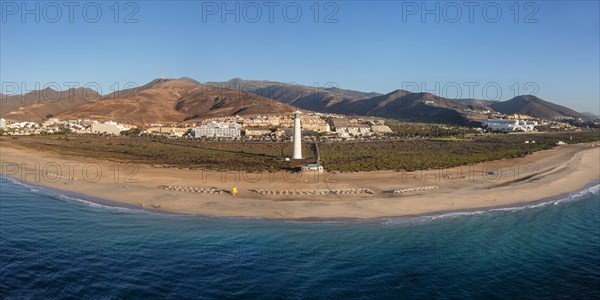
(390, 105)
(37, 105)
(176, 100)
(535, 107)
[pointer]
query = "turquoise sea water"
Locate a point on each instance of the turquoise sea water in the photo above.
(56, 246)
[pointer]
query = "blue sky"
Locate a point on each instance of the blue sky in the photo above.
(549, 48)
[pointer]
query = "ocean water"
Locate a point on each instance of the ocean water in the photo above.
(54, 246)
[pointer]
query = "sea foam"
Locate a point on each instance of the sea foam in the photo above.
(388, 221)
(572, 197)
(65, 196)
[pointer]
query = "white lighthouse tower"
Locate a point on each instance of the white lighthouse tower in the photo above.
(297, 150)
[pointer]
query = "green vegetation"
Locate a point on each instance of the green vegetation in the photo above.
(409, 154)
(411, 130)
(172, 153)
(421, 154)
(447, 139)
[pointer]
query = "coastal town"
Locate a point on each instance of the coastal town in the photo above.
(260, 127)
(315, 126)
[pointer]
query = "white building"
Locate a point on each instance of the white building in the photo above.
(509, 125)
(257, 131)
(20, 125)
(218, 130)
(167, 131)
(108, 127)
(344, 128)
(312, 167)
(2, 123)
(51, 122)
(379, 129)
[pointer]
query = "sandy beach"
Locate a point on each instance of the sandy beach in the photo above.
(510, 182)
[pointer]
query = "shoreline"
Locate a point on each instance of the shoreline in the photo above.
(558, 173)
(109, 204)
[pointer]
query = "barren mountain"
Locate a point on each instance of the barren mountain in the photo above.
(37, 105)
(398, 104)
(301, 96)
(535, 107)
(174, 100)
(476, 103)
(401, 104)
